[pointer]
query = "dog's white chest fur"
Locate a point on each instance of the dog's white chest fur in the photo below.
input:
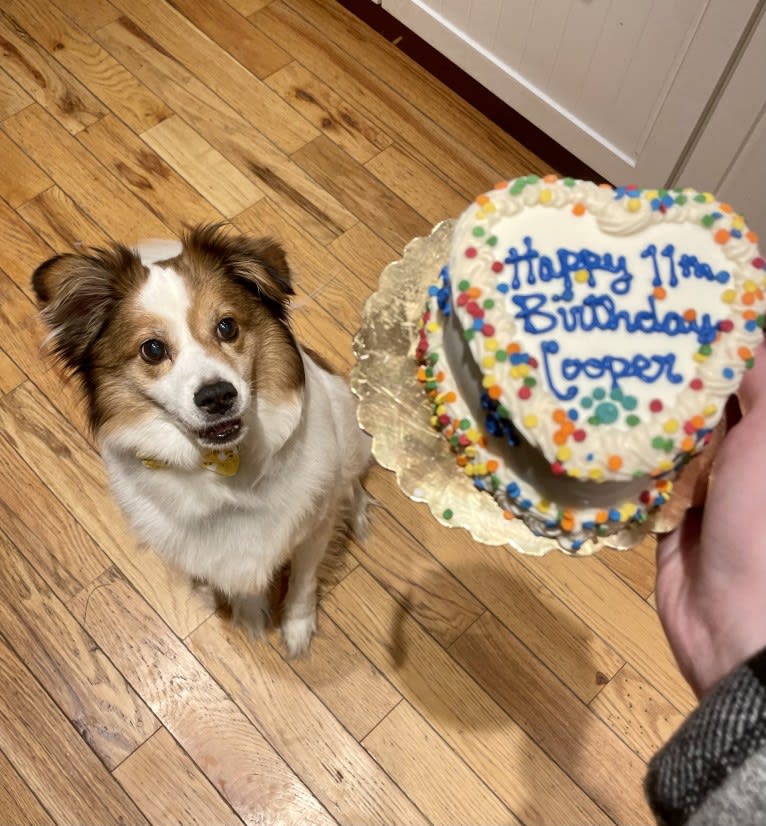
(298, 465)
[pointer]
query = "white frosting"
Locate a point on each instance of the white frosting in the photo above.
(623, 320)
(553, 231)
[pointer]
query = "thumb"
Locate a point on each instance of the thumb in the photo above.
(680, 543)
(752, 391)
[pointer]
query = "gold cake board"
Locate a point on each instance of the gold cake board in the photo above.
(394, 409)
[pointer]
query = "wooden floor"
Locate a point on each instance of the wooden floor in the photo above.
(449, 683)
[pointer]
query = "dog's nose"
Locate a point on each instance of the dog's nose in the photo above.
(217, 397)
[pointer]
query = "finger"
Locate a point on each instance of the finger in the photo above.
(752, 391)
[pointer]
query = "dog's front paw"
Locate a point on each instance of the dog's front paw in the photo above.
(297, 633)
(252, 613)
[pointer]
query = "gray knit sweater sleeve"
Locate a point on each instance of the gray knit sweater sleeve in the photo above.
(713, 770)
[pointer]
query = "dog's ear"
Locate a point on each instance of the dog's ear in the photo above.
(77, 293)
(259, 264)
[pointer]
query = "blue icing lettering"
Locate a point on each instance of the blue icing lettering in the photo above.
(621, 284)
(529, 311)
(647, 369)
(603, 278)
(443, 293)
(515, 258)
(551, 348)
(689, 266)
(562, 268)
(651, 252)
(599, 312)
(668, 252)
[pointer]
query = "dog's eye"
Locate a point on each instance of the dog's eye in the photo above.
(153, 351)
(227, 329)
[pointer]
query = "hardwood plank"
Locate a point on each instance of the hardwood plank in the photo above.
(20, 178)
(89, 15)
(183, 605)
(63, 461)
(142, 171)
(424, 589)
(298, 195)
(421, 89)
(184, 796)
(346, 126)
(17, 801)
(60, 222)
(364, 253)
(21, 251)
(246, 7)
(357, 83)
(63, 773)
(416, 184)
(82, 177)
(206, 60)
(337, 769)
(337, 563)
(316, 272)
(45, 80)
(497, 575)
(10, 375)
(586, 749)
(235, 34)
(345, 681)
(615, 612)
(44, 531)
(635, 567)
(94, 67)
(204, 167)
(431, 774)
(535, 789)
(317, 329)
(238, 761)
(12, 97)
(103, 708)
(361, 193)
(644, 719)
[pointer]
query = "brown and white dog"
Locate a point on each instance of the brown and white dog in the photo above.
(229, 448)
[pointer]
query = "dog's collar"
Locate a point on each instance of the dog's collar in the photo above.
(222, 462)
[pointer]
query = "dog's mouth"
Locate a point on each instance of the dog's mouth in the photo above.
(221, 433)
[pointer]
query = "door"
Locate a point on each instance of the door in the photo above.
(622, 84)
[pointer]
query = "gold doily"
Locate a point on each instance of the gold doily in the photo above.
(394, 409)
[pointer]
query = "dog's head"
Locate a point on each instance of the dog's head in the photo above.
(184, 334)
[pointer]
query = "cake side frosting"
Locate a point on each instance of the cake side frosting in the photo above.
(600, 329)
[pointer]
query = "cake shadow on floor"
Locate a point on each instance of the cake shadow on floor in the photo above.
(489, 692)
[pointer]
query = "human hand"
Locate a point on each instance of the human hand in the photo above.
(711, 571)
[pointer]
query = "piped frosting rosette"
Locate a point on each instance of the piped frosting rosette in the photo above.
(582, 341)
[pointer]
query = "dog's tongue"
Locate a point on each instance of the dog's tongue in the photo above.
(222, 432)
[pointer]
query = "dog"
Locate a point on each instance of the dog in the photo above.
(230, 448)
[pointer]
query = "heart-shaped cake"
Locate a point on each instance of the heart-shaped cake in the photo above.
(581, 343)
